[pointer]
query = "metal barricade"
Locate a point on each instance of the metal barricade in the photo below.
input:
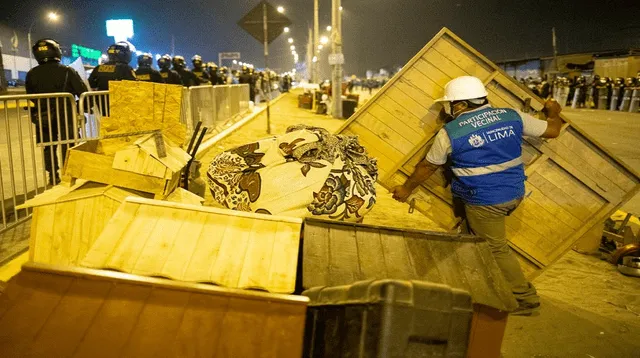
(93, 106)
(36, 133)
(216, 106)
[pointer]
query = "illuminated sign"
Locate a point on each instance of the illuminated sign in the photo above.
(120, 30)
(85, 52)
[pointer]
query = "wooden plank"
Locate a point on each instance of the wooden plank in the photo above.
(425, 264)
(45, 232)
(551, 207)
(395, 110)
(559, 197)
(200, 329)
(190, 232)
(62, 228)
(158, 324)
(242, 336)
(20, 325)
(122, 308)
(444, 64)
(227, 268)
(463, 58)
(72, 316)
(283, 269)
(283, 331)
(391, 137)
(438, 77)
(422, 84)
(370, 254)
(203, 258)
(448, 264)
(396, 256)
(315, 251)
(580, 147)
(255, 271)
(103, 246)
(344, 265)
(159, 240)
(413, 135)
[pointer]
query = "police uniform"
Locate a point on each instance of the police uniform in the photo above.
(170, 76)
(53, 121)
(110, 71)
(247, 78)
(187, 77)
(148, 74)
(202, 76)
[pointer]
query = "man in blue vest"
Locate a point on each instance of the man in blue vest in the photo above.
(484, 145)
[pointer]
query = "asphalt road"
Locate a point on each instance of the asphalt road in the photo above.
(619, 133)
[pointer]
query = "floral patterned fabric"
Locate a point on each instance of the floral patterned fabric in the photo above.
(305, 172)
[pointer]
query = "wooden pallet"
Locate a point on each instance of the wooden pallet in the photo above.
(573, 182)
(200, 244)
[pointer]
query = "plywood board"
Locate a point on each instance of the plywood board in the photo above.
(200, 244)
(48, 311)
(336, 253)
(574, 183)
(142, 106)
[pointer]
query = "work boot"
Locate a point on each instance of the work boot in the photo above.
(526, 309)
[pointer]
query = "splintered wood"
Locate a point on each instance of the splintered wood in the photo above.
(143, 106)
(67, 220)
(573, 182)
(199, 244)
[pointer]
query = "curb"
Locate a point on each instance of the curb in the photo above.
(204, 147)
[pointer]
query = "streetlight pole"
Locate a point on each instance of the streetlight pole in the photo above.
(336, 47)
(265, 28)
(29, 44)
(316, 38)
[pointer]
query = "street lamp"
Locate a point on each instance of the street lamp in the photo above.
(324, 40)
(286, 30)
(329, 28)
(292, 47)
(280, 9)
(52, 17)
(320, 47)
(290, 40)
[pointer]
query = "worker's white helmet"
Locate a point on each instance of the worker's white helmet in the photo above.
(463, 88)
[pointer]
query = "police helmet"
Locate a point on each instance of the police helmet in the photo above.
(630, 82)
(245, 69)
(145, 60)
(224, 69)
(196, 61)
(121, 52)
(212, 66)
(164, 62)
(178, 62)
(46, 50)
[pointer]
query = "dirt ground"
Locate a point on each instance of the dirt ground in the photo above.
(589, 309)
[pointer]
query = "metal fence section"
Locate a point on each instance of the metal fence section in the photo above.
(36, 132)
(217, 106)
(94, 105)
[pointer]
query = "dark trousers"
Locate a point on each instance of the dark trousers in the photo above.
(49, 131)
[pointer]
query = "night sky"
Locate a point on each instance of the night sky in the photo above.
(377, 33)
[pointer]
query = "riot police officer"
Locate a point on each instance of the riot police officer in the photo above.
(212, 69)
(168, 75)
(224, 74)
(116, 69)
(247, 78)
(187, 77)
(199, 71)
(145, 72)
(53, 118)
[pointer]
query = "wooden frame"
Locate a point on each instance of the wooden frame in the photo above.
(574, 183)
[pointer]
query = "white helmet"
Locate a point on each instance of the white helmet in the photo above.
(463, 88)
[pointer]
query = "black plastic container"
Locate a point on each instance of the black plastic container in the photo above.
(387, 318)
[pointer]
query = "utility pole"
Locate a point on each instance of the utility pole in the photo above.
(173, 46)
(555, 48)
(265, 28)
(316, 39)
(337, 58)
(310, 63)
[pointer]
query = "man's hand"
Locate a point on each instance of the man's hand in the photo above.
(552, 108)
(401, 193)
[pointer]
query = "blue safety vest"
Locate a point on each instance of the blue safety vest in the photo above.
(486, 154)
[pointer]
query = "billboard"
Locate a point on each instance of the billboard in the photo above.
(120, 30)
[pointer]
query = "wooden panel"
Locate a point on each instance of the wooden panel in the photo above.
(337, 253)
(573, 182)
(55, 312)
(199, 244)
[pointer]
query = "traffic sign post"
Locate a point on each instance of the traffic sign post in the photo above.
(265, 24)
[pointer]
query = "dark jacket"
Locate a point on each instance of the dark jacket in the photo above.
(170, 77)
(102, 74)
(52, 77)
(202, 75)
(187, 77)
(148, 74)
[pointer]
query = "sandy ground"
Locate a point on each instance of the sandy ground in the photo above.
(589, 309)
